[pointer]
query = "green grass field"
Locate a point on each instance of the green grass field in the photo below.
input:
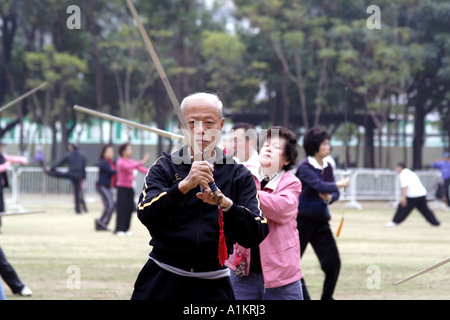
(60, 256)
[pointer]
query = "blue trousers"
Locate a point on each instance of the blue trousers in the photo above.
(2, 293)
(251, 287)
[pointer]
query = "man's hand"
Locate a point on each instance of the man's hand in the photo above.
(326, 197)
(208, 197)
(201, 173)
(403, 202)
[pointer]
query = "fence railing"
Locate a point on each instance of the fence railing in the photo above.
(31, 183)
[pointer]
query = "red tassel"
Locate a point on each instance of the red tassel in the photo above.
(223, 252)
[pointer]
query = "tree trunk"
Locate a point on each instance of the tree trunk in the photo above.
(369, 156)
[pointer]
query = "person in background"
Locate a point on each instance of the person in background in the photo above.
(125, 192)
(5, 162)
(444, 166)
(413, 196)
(319, 189)
(105, 185)
(39, 157)
(76, 174)
(11, 278)
(244, 143)
(7, 271)
(271, 271)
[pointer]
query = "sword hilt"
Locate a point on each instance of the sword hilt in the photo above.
(217, 195)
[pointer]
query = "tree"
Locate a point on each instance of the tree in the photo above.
(64, 73)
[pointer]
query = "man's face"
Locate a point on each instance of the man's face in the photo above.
(204, 121)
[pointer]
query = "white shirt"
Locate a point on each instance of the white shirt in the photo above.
(312, 161)
(410, 180)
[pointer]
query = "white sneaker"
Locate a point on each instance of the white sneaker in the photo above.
(120, 234)
(26, 292)
(391, 224)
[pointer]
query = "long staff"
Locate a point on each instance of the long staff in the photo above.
(434, 266)
(154, 56)
(345, 165)
(133, 124)
(17, 100)
(198, 155)
(19, 213)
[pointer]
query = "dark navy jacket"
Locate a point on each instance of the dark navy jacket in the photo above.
(184, 230)
(105, 173)
(76, 163)
(315, 181)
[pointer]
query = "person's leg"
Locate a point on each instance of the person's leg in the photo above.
(306, 229)
(446, 191)
(421, 205)
(99, 223)
(248, 287)
(403, 212)
(2, 293)
(130, 209)
(109, 207)
(326, 250)
(77, 194)
(8, 274)
(125, 206)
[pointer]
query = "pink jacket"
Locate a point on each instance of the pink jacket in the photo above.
(13, 159)
(280, 251)
(125, 168)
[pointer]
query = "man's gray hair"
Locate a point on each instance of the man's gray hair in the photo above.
(204, 96)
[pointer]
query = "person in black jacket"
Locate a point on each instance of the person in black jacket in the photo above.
(177, 207)
(105, 184)
(319, 190)
(76, 174)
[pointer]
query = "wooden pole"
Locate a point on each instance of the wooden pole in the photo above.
(17, 100)
(133, 124)
(19, 213)
(434, 266)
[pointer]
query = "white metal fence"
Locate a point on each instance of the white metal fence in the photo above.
(31, 183)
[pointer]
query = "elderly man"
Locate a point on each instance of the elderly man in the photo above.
(178, 208)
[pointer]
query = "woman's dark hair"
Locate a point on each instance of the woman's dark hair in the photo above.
(313, 139)
(122, 148)
(290, 148)
(102, 152)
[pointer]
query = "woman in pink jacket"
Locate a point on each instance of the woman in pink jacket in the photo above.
(125, 166)
(272, 270)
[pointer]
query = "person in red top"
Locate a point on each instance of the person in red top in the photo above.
(125, 192)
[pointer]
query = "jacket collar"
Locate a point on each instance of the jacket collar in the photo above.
(312, 161)
(273, 183)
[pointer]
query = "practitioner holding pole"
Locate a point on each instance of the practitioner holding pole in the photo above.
(182, 215)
